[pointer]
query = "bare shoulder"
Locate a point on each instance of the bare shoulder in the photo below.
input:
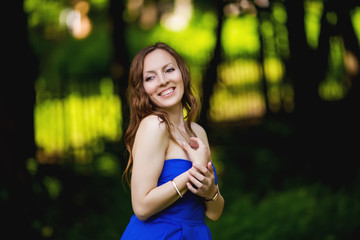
(152, 123)
(151, 135)
(199, 130)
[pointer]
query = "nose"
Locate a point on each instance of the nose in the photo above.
(163, 80)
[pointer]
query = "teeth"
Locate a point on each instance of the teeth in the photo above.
(168, 91)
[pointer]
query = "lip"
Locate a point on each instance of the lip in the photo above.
(167, 92)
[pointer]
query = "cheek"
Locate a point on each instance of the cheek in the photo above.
(149, 89)
(179, 76)
(180, 80)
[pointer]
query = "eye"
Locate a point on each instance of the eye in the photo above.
(170, 70)
(148, 78)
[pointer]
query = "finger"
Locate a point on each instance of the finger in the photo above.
(195, 181)
(194, 145)
(196, 140)
(197, 175)
(200, 168)
(191, 188)
(186, 146)
(210, 167)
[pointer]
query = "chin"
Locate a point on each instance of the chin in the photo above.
(168, 106)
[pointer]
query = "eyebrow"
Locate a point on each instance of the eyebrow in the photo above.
(163, 67)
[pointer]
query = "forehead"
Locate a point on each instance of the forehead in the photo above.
(157, 59)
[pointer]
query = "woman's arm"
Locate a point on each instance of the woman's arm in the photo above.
(201, 175)
(215, 208)
(149, 149)
(204, 180)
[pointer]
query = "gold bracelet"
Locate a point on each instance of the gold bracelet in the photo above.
(174, 184)
(213, 199)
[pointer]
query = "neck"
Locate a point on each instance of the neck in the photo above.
(176, 116)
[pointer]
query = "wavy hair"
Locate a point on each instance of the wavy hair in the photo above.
(141, 105)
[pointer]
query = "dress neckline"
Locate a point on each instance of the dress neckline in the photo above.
(181, 159)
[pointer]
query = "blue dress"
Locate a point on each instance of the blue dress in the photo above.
(184, 219)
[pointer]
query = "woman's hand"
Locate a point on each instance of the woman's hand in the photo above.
(202, 181)
(198, 152)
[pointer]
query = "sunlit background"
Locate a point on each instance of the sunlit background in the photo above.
(79, 111)
(76, 101)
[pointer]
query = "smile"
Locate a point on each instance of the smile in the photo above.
(167, 92)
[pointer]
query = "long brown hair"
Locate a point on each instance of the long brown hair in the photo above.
(141, 106)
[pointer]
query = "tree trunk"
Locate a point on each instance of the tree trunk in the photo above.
(121, 64)
(263, 14)
(345, 25)
(18, 202)
(301, 60)
(211, 74)
(325, 129)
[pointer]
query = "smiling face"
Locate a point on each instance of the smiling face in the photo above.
(162, 80)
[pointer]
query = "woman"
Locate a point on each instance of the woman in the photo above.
(173, 182)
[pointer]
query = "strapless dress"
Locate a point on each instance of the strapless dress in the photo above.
(182, 220)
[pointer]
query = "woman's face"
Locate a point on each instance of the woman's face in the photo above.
(162, 79)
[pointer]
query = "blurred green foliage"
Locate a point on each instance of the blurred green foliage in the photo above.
(90, 201)
(267, 196)
(308, 212)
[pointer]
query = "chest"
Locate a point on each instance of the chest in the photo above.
(175, 151)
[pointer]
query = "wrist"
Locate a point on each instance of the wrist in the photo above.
(200, 163)
(214, 196)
